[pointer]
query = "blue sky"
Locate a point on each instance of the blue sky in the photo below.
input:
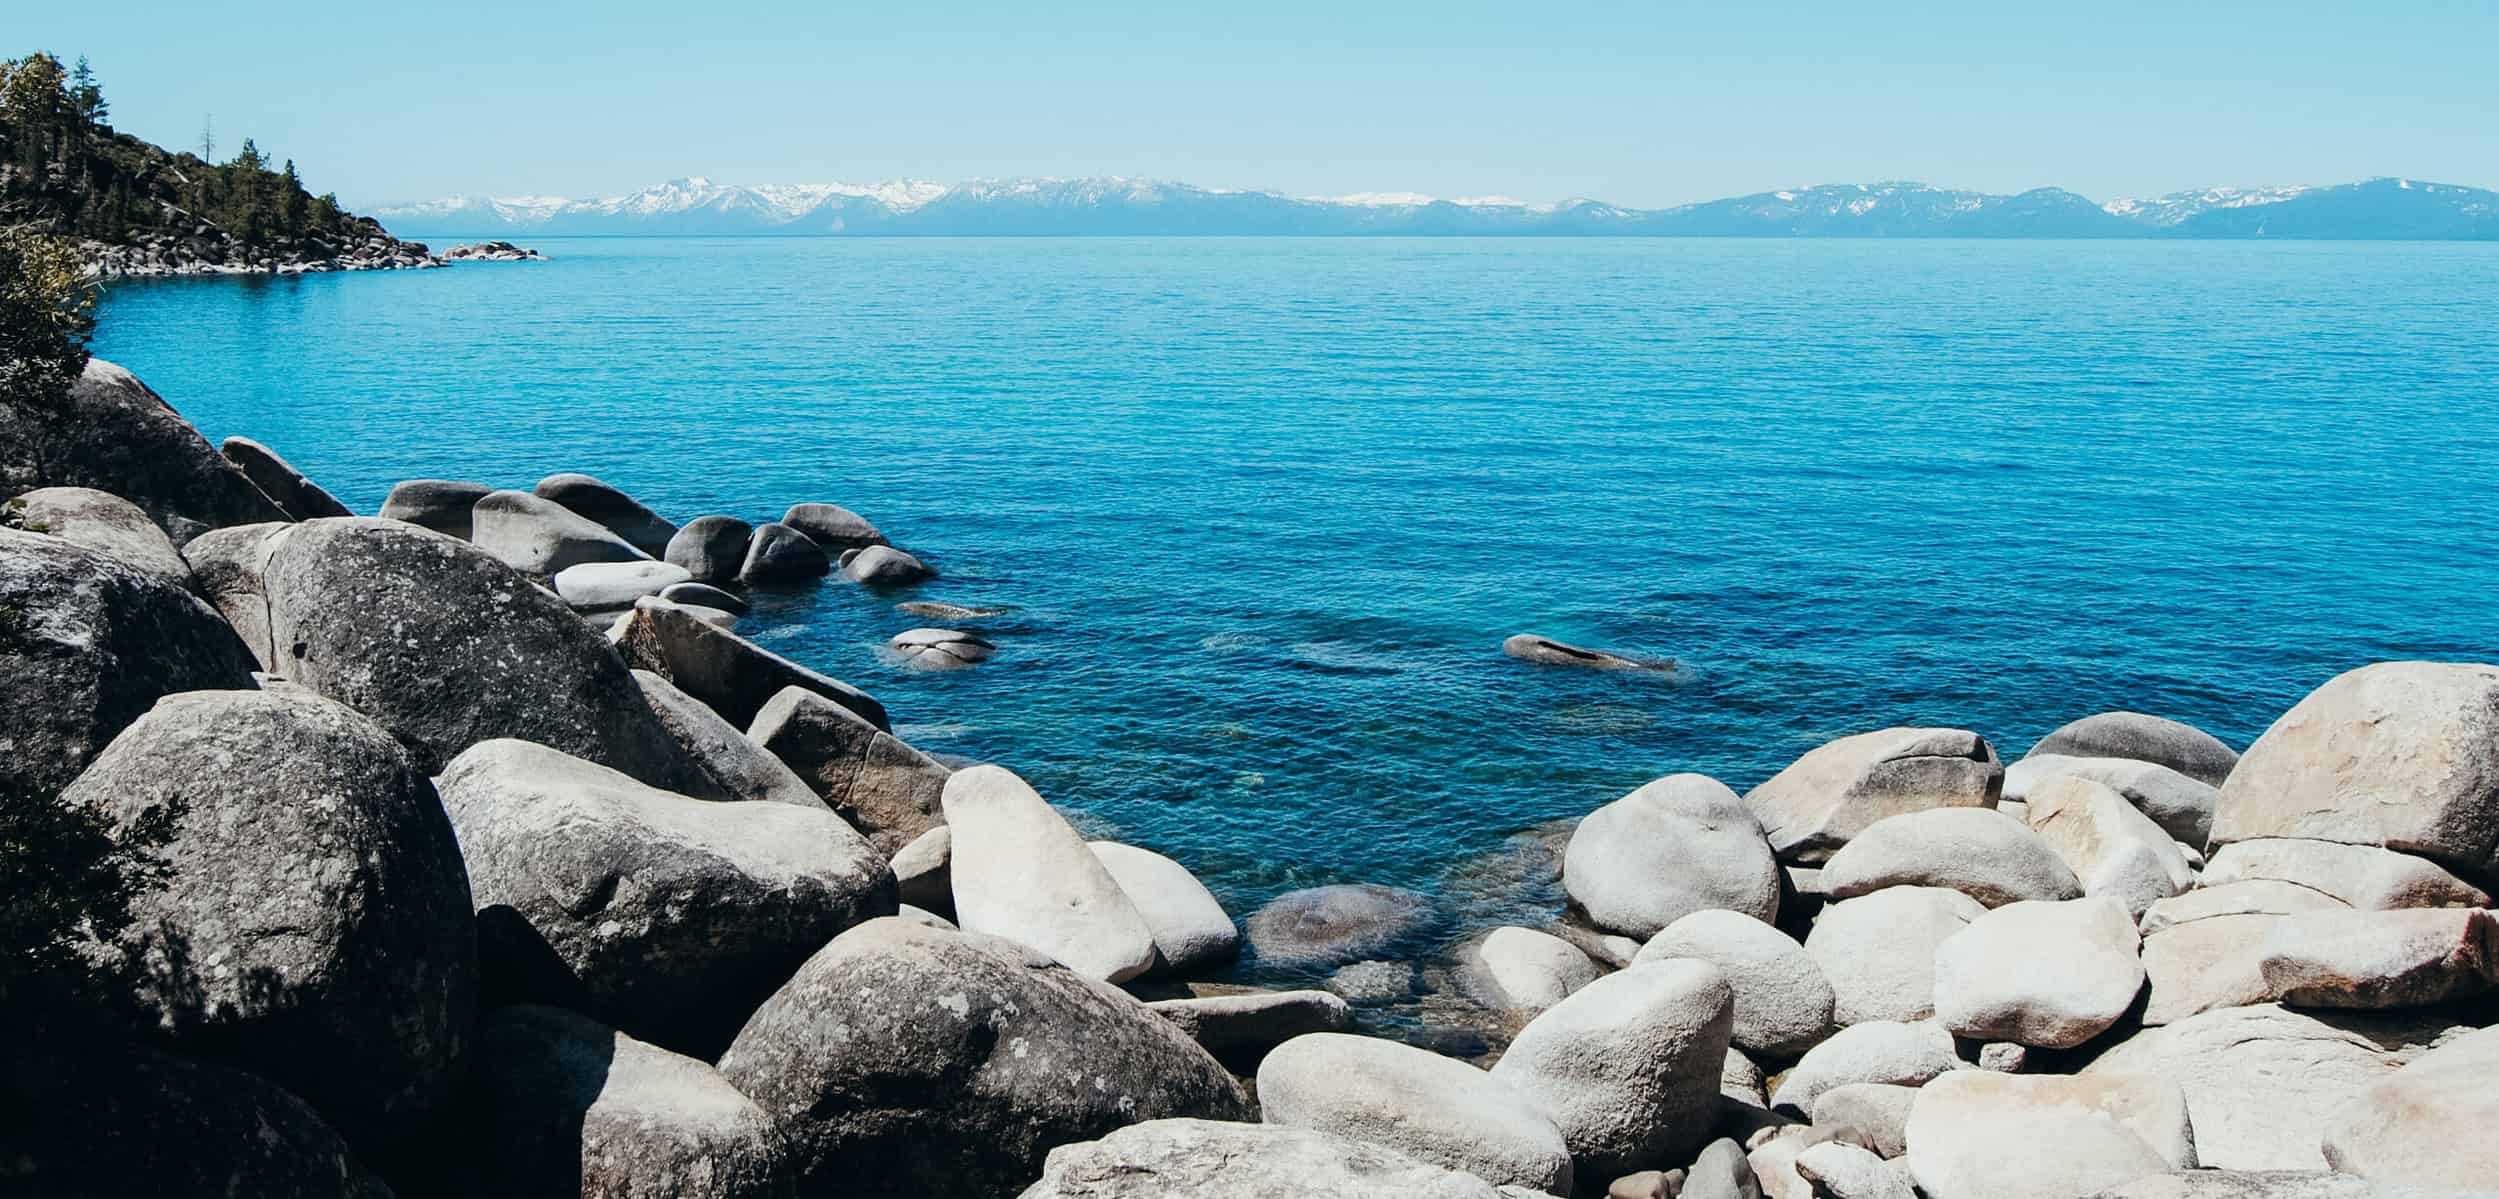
(1643, 104)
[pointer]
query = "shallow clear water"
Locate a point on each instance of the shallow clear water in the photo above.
(1265, 509)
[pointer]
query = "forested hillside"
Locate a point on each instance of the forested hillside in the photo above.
(138, 209)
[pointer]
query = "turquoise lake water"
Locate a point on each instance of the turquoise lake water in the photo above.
(1265, 509)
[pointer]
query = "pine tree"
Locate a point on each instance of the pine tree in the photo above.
(296, 202)
(86, 95)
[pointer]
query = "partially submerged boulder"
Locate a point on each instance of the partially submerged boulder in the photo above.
(611, 509)
(1023, 873)
(1837, 790)
(1319, 927)
(1628, 1066)
(883, 566)
(1783, 1003)
(2133, 735)
(780, 554)
(667, 917)
(100, 521)
(1417, 1102)
(832, 526)
(313, 925)
(1545, 651)
(277, 478)
(941, 649)
(905, 1061)
(1980, 852)
(1677, 845)
(711, 548)
(115, 435)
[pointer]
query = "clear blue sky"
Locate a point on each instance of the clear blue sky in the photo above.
(1642, 104)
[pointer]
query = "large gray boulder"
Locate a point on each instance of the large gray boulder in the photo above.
(2182, 806)
(1878, 1051)
(1438, 1109)
(1320, 927)
(539, 537)
(291, 489)
(230, 568)
(711, 548)
(2403, 755)
(100, 521)
(1191, 929)
(781, 554)
(887, 790)
(2181, 747)
(883, 566)
(736, 767)
(1878, 950)
(2263, 1081)
(1678, 845)
(610, 509)
(1250, 1024)
(1980, 852)
(2361, 876)
(2049, 975)
(1513, 969)
(1023, 873)
(113, 434)
(2114, 848)
(905, 1061)
(444, 505)
(560, 1104)
(2428, 1123)
(1783, 1004)
(103, 1119)
(667, 917)
(832, 526)
(735, 676)
(2360, 959)
(447, 647)
(87, 644)
(1839, 789)
(1207, 1159)
(1978, 1134)
(1628, 1066)
(313, 921)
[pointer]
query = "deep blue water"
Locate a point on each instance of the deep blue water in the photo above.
(1265, 509)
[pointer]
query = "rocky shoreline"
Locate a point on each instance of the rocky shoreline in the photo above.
(500, 862)
(210, 251)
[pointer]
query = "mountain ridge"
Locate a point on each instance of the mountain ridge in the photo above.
(1131, 206)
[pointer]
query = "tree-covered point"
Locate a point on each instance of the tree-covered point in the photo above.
(65, 171)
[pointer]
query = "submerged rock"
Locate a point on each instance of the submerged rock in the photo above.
(941, 649)
(934, 610)
(1544, 651)
(1319, 927)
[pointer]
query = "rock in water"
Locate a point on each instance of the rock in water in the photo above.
(1680, 844)
(115, 435)
(2115, 850)
(887, 790)
(442, 505)
(230, 569)
(2403, 755)
(781, 554)
(941, 649)
(1544, 651)
(2181, 747)
(1783, 1004)
(87, 644)
(832, 526)
(735, 676)
(314, 926)
(2379, 959)
(2427, 1124)
(906, 1061)
(2046, 975)
(103, 522)
(1977, 1134)
(1513, 969)
(1834, 792)
(883, 566)
(277, 478)
(1878, 950)
(1319, 927)
(704, 595)
(611, 509)
(1023, 873)
(1191, 929)
(667, 917)
(116, 1120)
(934, 610)
(1204, 1159)
(2263, 1082)
(1414, 1101)
(560, 1104)
(447, 647)
(737, 767)
(1628, 1067)
(711, 548)
(1982, 853)
(540, 537)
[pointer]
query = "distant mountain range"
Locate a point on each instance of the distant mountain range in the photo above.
(2377, 209)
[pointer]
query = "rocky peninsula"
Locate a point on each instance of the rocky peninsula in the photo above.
(489, 857)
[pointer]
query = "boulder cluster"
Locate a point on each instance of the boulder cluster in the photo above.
(495, 861)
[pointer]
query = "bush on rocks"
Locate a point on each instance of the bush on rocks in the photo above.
(904, 1061)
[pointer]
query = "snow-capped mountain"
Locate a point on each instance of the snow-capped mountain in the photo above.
(1147, 207)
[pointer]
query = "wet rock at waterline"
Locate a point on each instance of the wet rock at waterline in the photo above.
(1233, 1026)
(941, 649)
(832, 526)
(712, 549)
(934, 610)
(734, 675)
(1544, 651)
(779, 554)
(884, 567)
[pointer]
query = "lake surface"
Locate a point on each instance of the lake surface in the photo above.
(1265, 509)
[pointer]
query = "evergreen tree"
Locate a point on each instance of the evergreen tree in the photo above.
(298, 205)
(86, 95)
